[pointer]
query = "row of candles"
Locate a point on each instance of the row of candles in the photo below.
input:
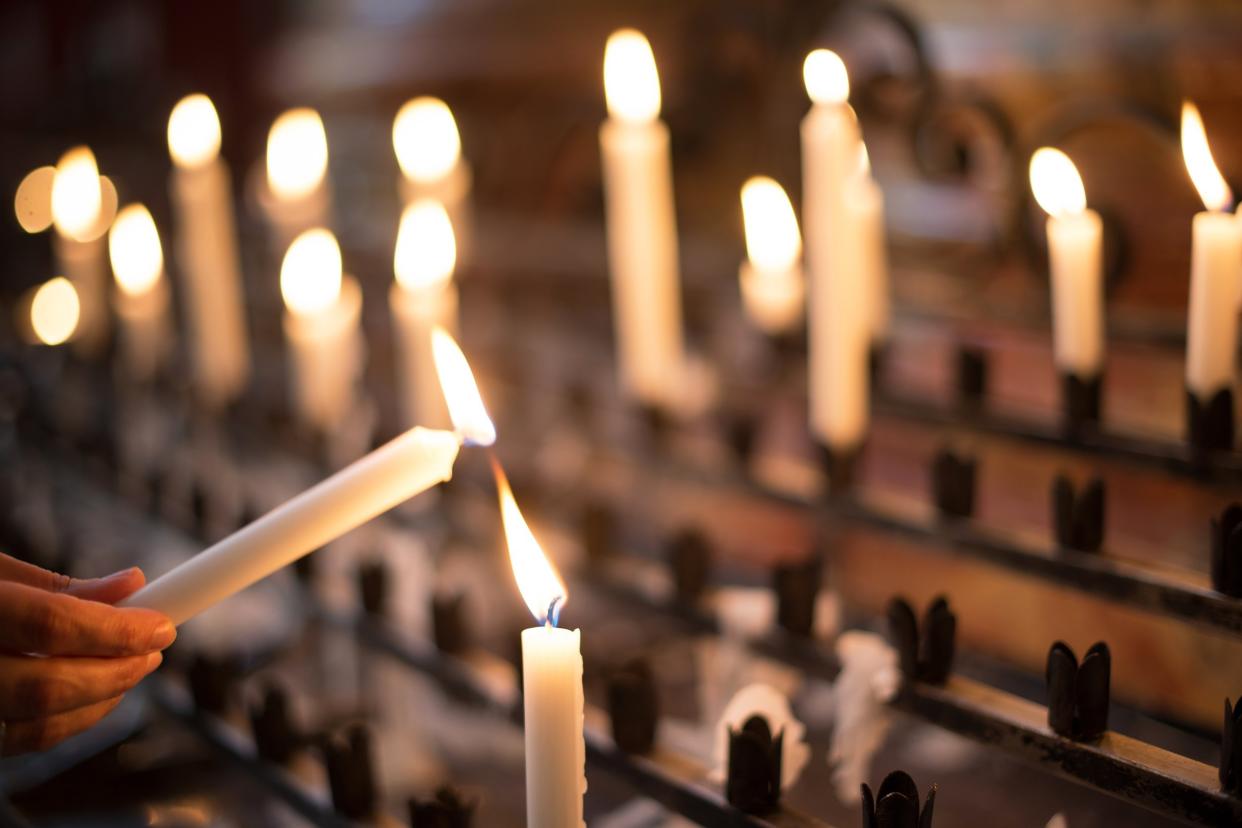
(846, 305)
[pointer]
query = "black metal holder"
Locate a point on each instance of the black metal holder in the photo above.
(1227, 551)
(211, 682)
(753, 778)
(925, 656)
(1080, 402)
(972, 377)
(373, 586)
(741, 430)
(633, 707)
(449, 627)
(1078, 693)
(447, 809)
(1209, 423)
(1078, 518)
(896, 804)
(351, 778)
(276, 738)
(1231, 749)
(838, 466)
(597, 529)
(797, 590)
(953, 484)
(690, 557)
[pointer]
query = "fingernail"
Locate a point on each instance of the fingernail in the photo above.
(120, 574)
(163, 635)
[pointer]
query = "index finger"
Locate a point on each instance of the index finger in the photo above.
(55, 624)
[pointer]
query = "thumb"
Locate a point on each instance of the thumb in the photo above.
(109, 589)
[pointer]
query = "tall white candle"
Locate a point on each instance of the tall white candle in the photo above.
(412, 463)
(1075, 264)
(141, 296)
(77, 208)
(428, 148)
(422, 298)
(837, 317)
(207, 251)
(322, 309)
(642, 228)
(865, 202)
(297, 195)
(551, 680)
(771, 277)
(1215, 269)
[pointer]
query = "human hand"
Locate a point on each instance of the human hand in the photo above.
(66, 655)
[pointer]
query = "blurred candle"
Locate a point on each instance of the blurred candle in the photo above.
(865, 203)
(422, 298)
(297, 196)
(771, 277)
(551, 679)
(642, 230)
(322, 309)
(428, 148)
(207, 252)
(141, 296)
(1074, 261)
(837, 309)
(77, 207)
(1215, 269)
(54, 312)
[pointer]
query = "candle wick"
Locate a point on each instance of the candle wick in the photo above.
(554, 612)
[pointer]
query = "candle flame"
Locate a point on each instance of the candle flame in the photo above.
(193, 132)
(1199, 163)
(134, 248)
(54, 311)
(426, 247)
(310, 275)
(77, 196)
(826, 78)
(426, 140)
(297, 154)
(461, 392)
(1056, 183)
(631, 81)
(772, 239)
(33, 202)
(537, 580)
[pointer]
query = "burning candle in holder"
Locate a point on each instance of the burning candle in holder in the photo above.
(141, 297)
(641, 224)
(52, 312)
(322, 311)
(427, 143)
(771, 278)
(422, 298)
(82, 206)
(1075, 234)
(207, 252)
(1215, 285)
(297, 195)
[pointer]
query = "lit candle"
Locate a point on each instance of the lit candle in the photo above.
(551, 680)
(408, 465)
(1074, 261)
(141, 297)
(642, 228)
(297, 196)
(428, 147)
(207, 251)
(771, 277)
(54, 312)
(1215, 270)
(422, 297)
(79, 217)
(865, 203)
(837, 309)
(322, 309)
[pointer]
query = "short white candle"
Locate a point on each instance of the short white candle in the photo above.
(207, 252)
(1075, 264)
(412, 463)
(551, 680)
(141, 297)
(297, 196)
(838, 321)
(423, 297)
(77, 210)
(1215, 269)
(322, 309)
(771, 279)
(427, 143)
(642, 227)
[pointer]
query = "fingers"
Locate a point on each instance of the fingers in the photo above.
(41, 734)
(109, 589)
(55, 624)
(39, 688)
(20, 572)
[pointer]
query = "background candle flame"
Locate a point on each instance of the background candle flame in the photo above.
(771, 229)
(537, 580)
(1199, 162)
(194, 132)
(77, 197)
(134, 249)
(310, 275)
(826, 78)
(461, 393)
(297, 154)
(54, 311)
(631, 81)
(1056, 183)
(426, 140)
(426, 250)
